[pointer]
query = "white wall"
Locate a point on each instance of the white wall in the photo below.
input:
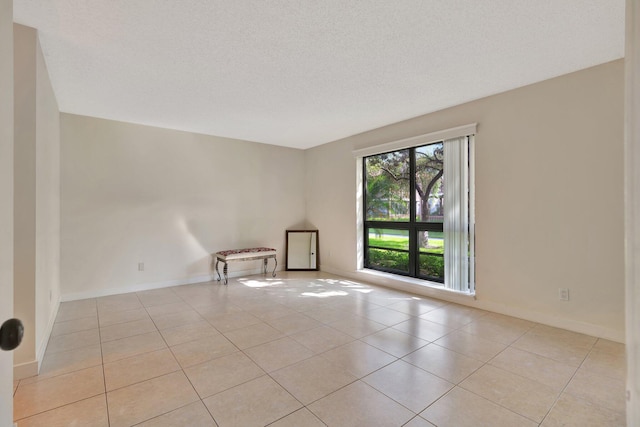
(36, 200)
(6, 201)
(47, 225)
(632, 209)
(549, 198)
(168, 199)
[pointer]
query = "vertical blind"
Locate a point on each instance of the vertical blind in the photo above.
(458, 225)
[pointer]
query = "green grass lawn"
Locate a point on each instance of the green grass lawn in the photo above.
(430, 264)
(436, 243)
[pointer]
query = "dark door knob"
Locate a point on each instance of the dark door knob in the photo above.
(11, 334)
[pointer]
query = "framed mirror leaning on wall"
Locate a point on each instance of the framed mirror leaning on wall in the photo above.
(302, 250)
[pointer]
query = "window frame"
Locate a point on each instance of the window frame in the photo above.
(364, 150)
(412, 226)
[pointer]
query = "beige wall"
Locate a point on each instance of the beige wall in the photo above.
(36, 200)
(6, 201)
(549, 198)
(168, 199)
(47, 223)
(632, 208)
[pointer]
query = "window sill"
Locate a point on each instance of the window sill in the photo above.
(416, 286)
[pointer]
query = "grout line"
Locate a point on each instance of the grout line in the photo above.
(569, 382)
(182, 369)
(104, 377)
(58, 407)
(270, 297)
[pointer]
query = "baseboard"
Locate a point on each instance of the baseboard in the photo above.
(470, 300)
(138, 287)
(32, 368)
(25, 370)
(42, 347)
(416, 286)
(403, 284)
(558, 322)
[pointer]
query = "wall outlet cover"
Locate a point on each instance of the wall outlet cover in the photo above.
(563, 294)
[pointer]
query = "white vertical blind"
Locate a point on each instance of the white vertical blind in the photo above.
(472, 214)
(456, 214)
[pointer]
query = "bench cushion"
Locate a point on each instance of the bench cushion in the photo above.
(244, 253)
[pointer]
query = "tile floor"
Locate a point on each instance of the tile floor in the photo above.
(310, 349)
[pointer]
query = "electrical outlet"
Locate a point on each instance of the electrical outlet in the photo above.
(141, 266)
(563, 294)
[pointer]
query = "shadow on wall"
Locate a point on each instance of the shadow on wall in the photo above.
(205, 247)
(202, 239)
(195, 244)
(303, 225)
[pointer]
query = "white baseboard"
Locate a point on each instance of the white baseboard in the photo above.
(138, 287)
(32, 368)
(25, 370)
(470, 300)
(42, 347)
(416, 286)
(558, 322)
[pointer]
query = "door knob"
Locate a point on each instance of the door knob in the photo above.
(11, 334)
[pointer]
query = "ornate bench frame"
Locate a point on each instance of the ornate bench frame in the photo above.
(249, 254)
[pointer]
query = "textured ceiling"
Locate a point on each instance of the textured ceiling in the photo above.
(300, 73)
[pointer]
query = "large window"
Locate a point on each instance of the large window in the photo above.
(417, 213)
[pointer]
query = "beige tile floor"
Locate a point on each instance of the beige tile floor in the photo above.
(309, 349)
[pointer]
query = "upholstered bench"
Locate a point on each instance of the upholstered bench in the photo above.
(249, 254)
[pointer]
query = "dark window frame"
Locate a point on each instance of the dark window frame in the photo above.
(412, 226)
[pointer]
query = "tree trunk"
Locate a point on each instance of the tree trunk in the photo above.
(423, 236)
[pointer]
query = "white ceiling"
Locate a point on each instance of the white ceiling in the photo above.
(300, 73)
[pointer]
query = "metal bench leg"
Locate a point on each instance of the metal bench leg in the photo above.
(217, 261)
(274, 267)
(264, 266)
(224, 270)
